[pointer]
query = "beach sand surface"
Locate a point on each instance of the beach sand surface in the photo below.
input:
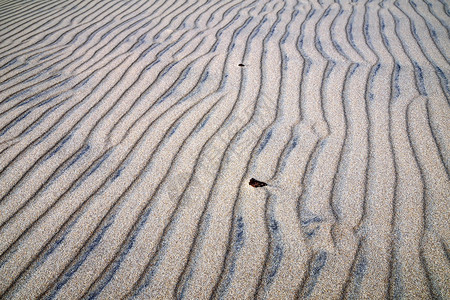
(129, 132)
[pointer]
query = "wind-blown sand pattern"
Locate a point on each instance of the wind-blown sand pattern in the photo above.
(129, 131)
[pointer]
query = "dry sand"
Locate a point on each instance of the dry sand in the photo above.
(129, 132)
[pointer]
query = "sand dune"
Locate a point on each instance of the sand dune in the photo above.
(129, 131)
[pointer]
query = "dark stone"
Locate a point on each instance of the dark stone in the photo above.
(255, 183)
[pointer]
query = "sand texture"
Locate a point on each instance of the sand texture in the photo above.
(129, 132)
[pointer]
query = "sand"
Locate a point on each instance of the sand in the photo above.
(129, 131)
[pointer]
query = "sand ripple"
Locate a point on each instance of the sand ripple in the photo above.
(129, 131)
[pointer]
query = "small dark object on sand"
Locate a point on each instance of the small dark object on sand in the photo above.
(241, 65)
(255, 183)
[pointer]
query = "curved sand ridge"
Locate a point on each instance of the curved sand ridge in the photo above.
(129, 133)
